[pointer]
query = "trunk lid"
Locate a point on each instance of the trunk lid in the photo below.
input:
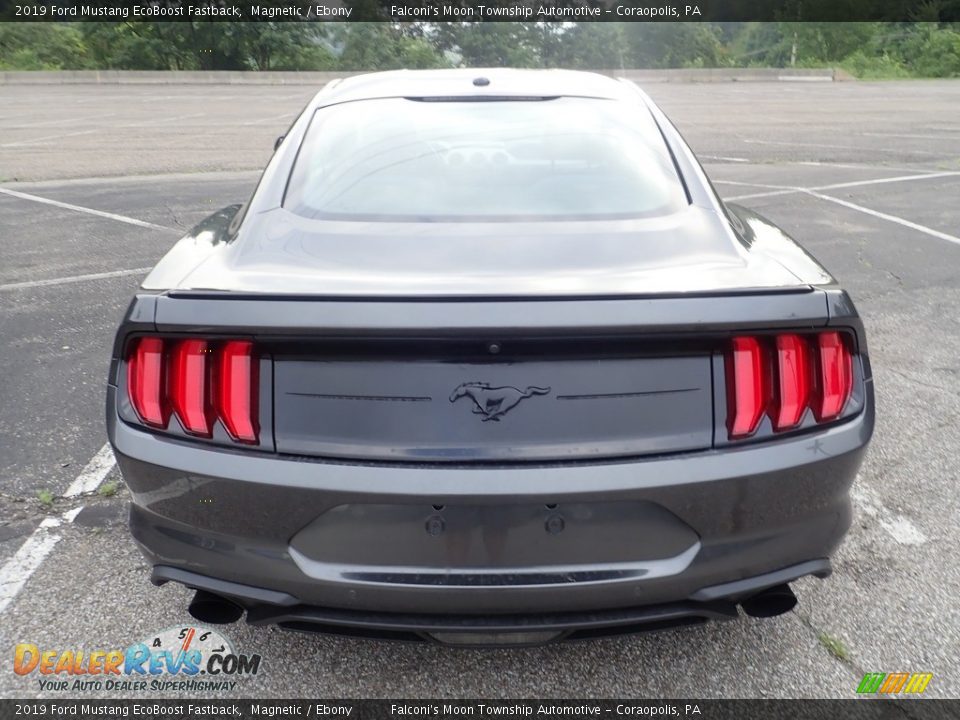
(693, 251)
(458, 401)
(460, 381)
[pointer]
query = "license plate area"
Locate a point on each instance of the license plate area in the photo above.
(493, 544)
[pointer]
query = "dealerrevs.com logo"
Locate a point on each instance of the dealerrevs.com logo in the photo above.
(193, 659)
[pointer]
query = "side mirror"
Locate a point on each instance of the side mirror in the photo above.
(278, 142)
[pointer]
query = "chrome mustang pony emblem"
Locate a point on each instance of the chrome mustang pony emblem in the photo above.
(493, 402)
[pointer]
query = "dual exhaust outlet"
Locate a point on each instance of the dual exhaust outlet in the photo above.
(211, 609)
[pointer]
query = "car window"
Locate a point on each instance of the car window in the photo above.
(563, 158)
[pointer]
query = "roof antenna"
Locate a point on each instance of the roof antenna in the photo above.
(481, 81)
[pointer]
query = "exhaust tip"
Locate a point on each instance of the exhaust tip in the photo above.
(770, 602)
(213, 609)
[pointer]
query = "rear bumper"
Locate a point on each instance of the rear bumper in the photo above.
(742, 519)
(269, 608)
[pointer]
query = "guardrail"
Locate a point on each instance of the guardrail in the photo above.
(230, 77)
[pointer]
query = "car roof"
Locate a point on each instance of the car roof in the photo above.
(475, 83)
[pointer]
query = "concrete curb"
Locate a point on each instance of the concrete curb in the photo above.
(224, 77)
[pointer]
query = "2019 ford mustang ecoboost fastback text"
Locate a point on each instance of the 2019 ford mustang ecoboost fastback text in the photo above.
(485, 360)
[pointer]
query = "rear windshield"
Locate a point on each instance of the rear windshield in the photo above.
(399, 159)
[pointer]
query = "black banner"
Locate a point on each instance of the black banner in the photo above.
(200, 709)
(477, 10)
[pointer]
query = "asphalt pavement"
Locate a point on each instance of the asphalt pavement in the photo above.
(97, 183)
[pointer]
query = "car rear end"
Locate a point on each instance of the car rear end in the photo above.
(675, 467)
(387, 410)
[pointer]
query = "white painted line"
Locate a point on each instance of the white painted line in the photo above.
(45, 138)
(215, 175)
(723, 158)
(890, 218)
(161, 121)
(18, 569)
(71, 515)
(787, 189)
(911, 135)
(64, 121)
(898, 527)
(73, 279)
(784, 190)
(792, 188)
(860, 166)
(35, 549)
(89, 211)
(268, 119)
(838, 147)
(93, 474)
(880, 181)
(751, 196)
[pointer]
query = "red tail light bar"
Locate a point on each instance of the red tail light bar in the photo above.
(784, 376)
(198, 381)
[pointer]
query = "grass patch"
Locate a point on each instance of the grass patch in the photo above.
(834, 646)
(107, 489)
(46, 498)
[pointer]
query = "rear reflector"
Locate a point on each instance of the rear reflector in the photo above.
(238, 390)
(807, 372)
(793, 381)
(146, 382)
(198, 381)
(748, 386)
(189, 379)
(836, 376)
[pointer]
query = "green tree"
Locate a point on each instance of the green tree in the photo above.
(383, 46)
(205, 45)
(589, 45)
(493, 44)
(825, 41)
(42, 46)
(932, 50)
(672, 45)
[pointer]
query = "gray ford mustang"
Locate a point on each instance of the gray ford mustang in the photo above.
(483, 361)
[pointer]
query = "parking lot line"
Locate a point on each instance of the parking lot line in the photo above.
(161, 121)
(898, 527)
(754, 196)
(268, 119)
(890, 218)
(18, 569)
(787, 143)
(859, 166)
(73, 279)
(35, 549)
(724, 158)
(773, 190)
(93, 473)
(880, 181)
(64, 121)
(89, 211)
(34, 141)
(915, 136)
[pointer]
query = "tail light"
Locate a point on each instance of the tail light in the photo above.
(835, 377)
(198, 381)
(146, 382)
(190, 386)
(237, 390)
(748, 386)
(785, 376)
(793, 381)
